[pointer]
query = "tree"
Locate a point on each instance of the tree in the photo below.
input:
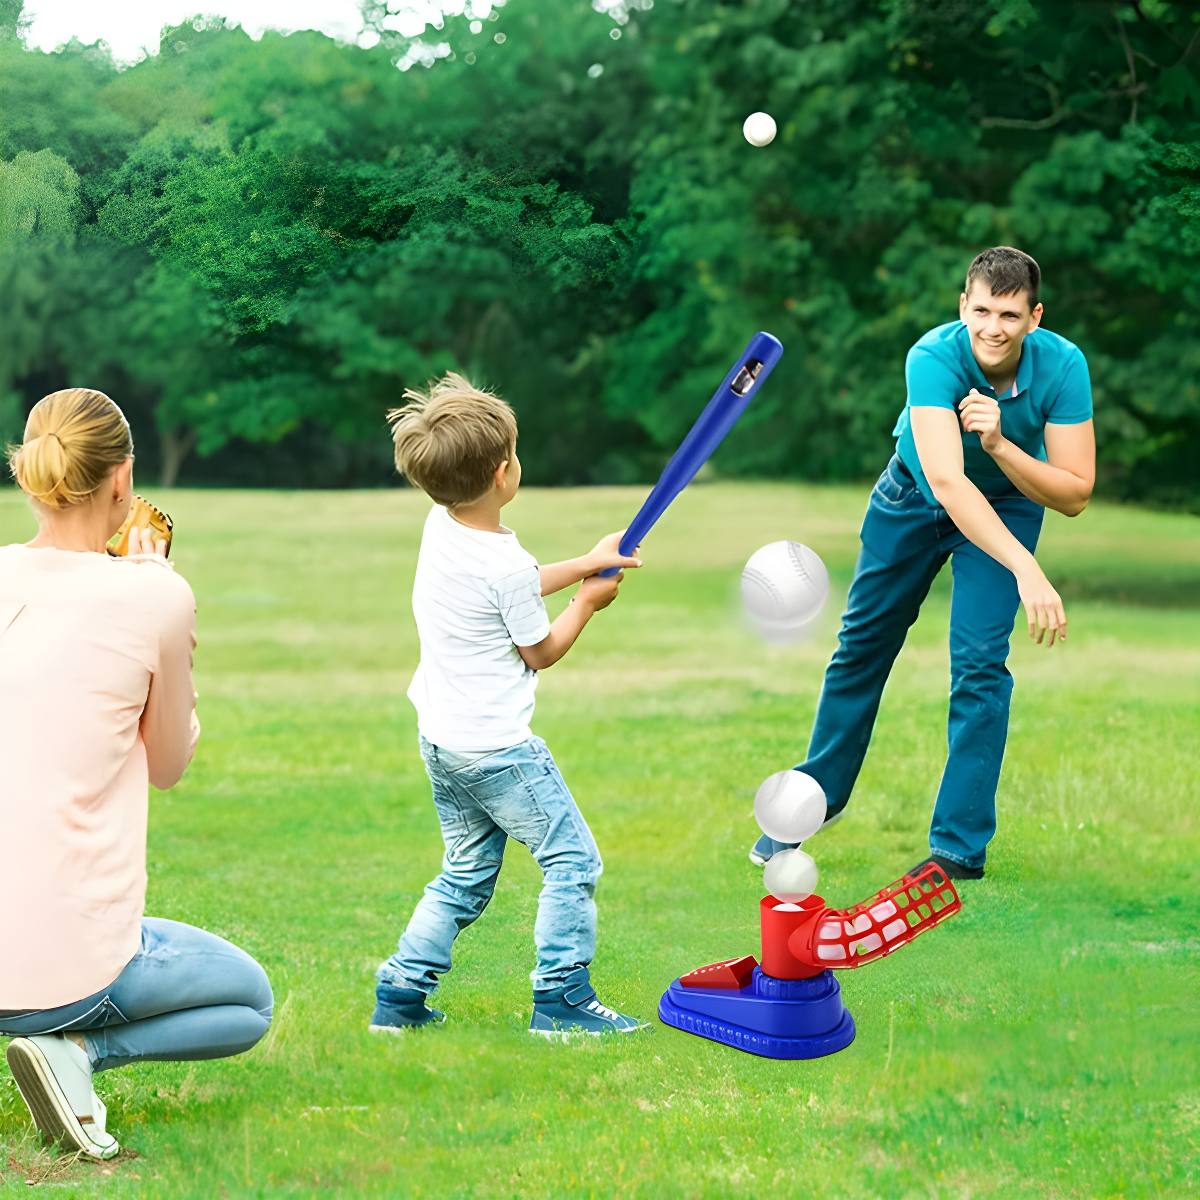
(279, 236)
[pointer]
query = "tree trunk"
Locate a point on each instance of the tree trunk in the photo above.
(175, 445)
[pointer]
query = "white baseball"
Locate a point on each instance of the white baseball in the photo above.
(784, 588)
(789, 806)
(790, 876)
(759, 129)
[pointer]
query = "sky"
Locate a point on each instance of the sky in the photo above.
(129, 25)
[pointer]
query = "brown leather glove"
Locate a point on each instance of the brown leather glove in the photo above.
(144, 515)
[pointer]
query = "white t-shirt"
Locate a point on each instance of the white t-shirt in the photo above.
(476, 598)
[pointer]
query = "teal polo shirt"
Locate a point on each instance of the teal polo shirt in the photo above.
(1052, 388)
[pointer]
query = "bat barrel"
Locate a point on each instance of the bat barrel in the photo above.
(728, 403)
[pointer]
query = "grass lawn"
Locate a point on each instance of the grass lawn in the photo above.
(1045, 1042)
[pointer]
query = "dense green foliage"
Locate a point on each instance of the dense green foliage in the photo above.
(261, 244)
(1041, 1045)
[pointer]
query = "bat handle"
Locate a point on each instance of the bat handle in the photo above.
(629, 543)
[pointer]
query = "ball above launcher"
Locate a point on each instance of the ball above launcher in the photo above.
(789, 806)
(790, 876)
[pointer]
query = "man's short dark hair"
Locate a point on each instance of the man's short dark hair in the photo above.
(1006, 270)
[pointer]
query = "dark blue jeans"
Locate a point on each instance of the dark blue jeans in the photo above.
(186, 994)
(905, 543)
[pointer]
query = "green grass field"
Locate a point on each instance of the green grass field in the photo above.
(1044, 1043)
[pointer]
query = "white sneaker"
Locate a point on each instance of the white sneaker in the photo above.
(55, 1078)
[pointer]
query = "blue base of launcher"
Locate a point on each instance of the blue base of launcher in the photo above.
(774, 1018)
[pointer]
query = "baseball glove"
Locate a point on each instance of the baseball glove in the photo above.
(144, 515)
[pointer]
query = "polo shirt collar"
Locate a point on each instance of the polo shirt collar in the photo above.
(1024, 368)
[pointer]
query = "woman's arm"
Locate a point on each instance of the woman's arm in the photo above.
(606, 553)
(1064, 482)
(170, 728)
(939, 447)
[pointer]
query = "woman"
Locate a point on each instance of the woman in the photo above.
(96, 700)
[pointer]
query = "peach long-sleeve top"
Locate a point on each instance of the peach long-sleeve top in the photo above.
(96, 701)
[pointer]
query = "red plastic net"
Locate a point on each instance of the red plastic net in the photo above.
(840, 938)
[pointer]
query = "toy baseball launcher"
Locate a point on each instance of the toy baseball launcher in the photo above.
(729, 401)
(791, 1005)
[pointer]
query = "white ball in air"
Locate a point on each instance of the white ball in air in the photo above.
(784, 588)
(789, 806)
(759, 129)
(790, 876)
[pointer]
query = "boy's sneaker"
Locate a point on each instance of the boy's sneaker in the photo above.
(762, 850)
(572, 1008)
(952, 869)
(55, 1079)
(398, 1008)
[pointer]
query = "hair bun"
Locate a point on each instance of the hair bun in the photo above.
(73, 439)
(44, 466)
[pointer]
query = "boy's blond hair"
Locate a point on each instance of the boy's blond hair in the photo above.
(450, 440)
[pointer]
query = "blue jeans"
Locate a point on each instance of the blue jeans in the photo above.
(905, 543)
(186, 994)
(482, 801)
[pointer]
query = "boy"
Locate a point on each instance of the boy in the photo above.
(997, 428)
(484, 636)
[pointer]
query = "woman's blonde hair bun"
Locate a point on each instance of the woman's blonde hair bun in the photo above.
(73, 439)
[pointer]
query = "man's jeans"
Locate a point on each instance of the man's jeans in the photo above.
(482, 801)
(186, 994)
(905, 543)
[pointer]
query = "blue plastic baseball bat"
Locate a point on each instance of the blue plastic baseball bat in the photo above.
(729, 401)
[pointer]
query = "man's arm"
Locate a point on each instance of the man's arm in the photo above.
(939, 447)
(606, 553)
(1064, 482)
(595, 594)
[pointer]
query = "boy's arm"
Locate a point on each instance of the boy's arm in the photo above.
(556, 576)
(595, 593)
(1064, 482)
(939, 447)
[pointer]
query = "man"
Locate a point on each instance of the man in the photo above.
(997, 428)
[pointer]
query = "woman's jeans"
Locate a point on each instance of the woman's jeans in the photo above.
(482, 801)
(905, 543)
(186, 994)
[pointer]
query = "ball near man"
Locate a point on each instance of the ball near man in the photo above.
(784, 587)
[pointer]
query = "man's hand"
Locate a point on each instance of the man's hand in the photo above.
(981, 414)
(939, 445)
(1043, 606)
(596, 592)
(606, 553)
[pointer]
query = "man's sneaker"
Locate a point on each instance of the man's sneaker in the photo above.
(952, 869)
(762, 850)
(55, 1079)
(572, 1009)
(765, 847)
(398, 1008)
